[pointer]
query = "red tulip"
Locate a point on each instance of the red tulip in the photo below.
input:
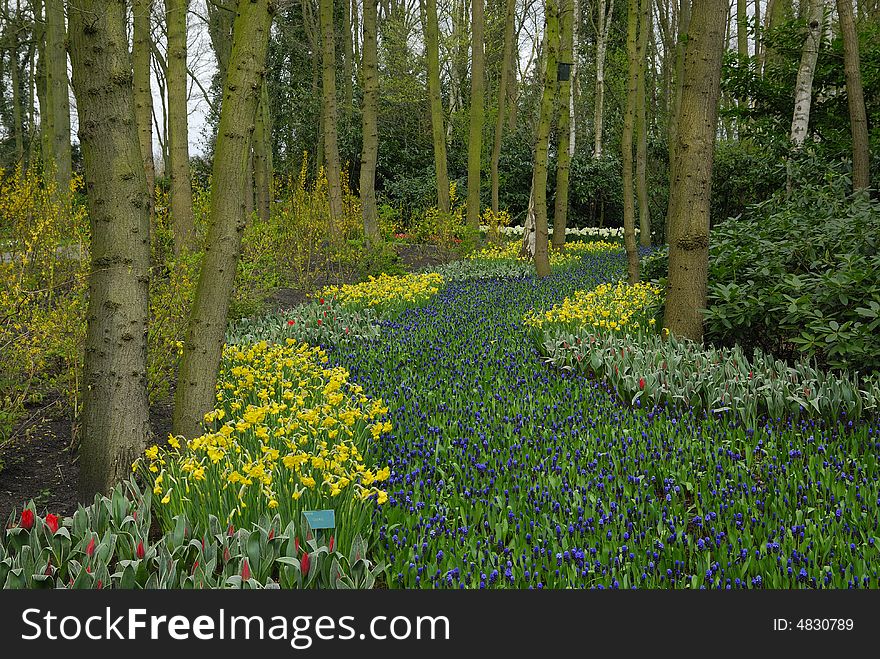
(319, 321)
(271, 533)
(139, 552)
(321, 300)
(245, 571)
(230, 530)
(90, 549)
(641, 383)
(195, 566)
(296, 544)
(27, 519)
(100, 584)
(331, 543)
(304, 564)
(226, 555)
(52, 522)
(291, 322)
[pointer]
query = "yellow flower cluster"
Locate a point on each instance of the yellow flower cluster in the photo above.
(614, 307)
(572, 252)
(288, 434)
(387, 291)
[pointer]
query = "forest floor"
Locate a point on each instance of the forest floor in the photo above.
(39, 462)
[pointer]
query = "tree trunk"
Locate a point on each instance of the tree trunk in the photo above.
(178, 168)
(115, 415)
(626, 141)
(855, 96)
(348, 58)
(803, 91)
(690, 190)
(369, 152)
(355, 34)
(475, 136)
(15, 81)
(563, 124)
(506, 62)
(329, 114)
(604, 20)
(539, 185)
(58, 93)
(432, 55)
(262, 155)
(143, 95)
(778, 12)
(641, 127)
(684, 19)
(206, 329)
(742, 29)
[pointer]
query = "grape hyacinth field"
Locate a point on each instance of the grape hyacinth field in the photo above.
(506, 473)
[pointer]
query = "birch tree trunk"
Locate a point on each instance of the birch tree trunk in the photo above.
(115, 415)
(206, 329)
(803, 91)
(690, 190)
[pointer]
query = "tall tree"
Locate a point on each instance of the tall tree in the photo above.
(178, 169)
(143, 94)
(689, 193)
(58, 95)
(626, 142)
(206, 328)
(506, 65)
(641, 125)
(330, 115)
(261, 156)
(563, 123)
(855, 96)
(347, 59)
(542, 144)
(477, 113)
(684, 19)
(803, 91)
(369, 152)
(603, 23)
(432, 55)
(115, 415)
(778, 13)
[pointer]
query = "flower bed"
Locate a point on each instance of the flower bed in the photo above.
(288, 434)
(386, 294)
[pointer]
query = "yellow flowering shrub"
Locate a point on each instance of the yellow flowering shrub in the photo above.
(608, 307)
(288, 434)
(386, 293)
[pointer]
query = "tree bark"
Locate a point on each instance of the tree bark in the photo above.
(348, 58)
(178, 169)
(369, 152)
(855, 96)
(477, 112)
(262, 157)
(803, 91)
(684, 19)
(432, 55)
(641, 126)
(506, 62)
(206, 329)
(115, 415)
(58, 93)
(778, 12)
(603, 23)
(626, 142)
(690, 189)
(539, 185)
(330, 116)
(563, 124)
(143, 95)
